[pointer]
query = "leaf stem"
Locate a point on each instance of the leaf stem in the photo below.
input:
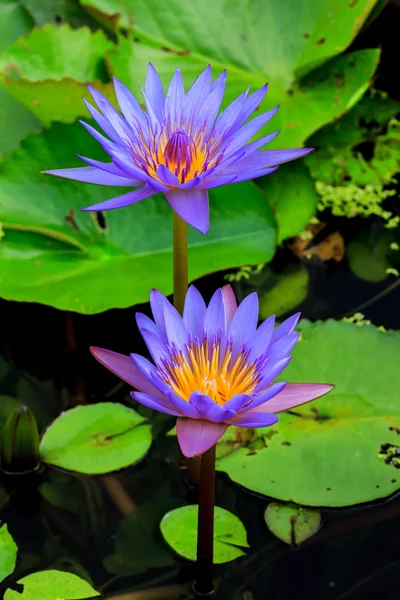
(204, 586)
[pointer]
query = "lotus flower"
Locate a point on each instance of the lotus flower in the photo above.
(212, 367)
(179, 146)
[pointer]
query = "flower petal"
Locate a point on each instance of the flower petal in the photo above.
(254, 419)
(125, 200)
(214, 320)
(283, 346)
(194, 312)
(176, 330)
(174, 99)
(285, 327)
(123, 367)
(143, 322)
(269, 158)
(191, 206)
(155, 92)
(130, 107)
(92, 175)
(208, 409)
(244, 323)
(157, 303)
(196, 436)
(196, 96)
(238, 402)
(167, 176)
(243, 135)
(229, 303)
(295, 394)
(154, 403)
(261, 339)
(265, 396)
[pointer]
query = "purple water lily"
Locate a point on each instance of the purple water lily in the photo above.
(179, 146)
(212, 367)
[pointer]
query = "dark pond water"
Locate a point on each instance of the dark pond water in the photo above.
(71, 522)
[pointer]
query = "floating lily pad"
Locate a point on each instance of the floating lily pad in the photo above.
(179, 528)
(52, 585)
(55, 254)
(8, 553)
(95, 439)
(290, 523)
(336, 451)
(45, 72)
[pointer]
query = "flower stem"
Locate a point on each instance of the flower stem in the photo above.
(180, 262)
(204, 585)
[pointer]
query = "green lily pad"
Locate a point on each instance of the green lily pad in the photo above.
(179, 528)
(305, 106)
(292, 196)
(339, 450)
(55, 254)
(95, 439)
(45, 72)
(16, 121)
(8, 553)
(52, 585)
(369, 259)
(59, 11)
(290, 523)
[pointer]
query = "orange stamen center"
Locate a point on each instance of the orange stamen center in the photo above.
(206, 371)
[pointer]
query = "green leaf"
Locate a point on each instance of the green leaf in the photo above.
(305, 106)
(290, 523)
(52, 585)
(54, 254)
(341, 449)
(179, 528)
(59, 11)
(292, 197)
(338, 160)
(16, 121)
(45, 71)
(139, 545)
(8, 553)
(368, 259)
(95, 439)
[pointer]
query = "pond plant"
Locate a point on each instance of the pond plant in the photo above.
(301, 412)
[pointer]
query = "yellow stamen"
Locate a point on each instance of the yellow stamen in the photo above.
(207, 373)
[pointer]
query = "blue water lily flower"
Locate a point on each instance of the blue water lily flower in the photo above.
(179, 145)
(212, 367)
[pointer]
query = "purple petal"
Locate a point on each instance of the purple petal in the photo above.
(246, 175)
(261, 339)
(92, 175)
(104, 124)
(130, 107)
(158, 302)
(208, 409)
(230, 304)
(209, 110)
(123, 367)
(185, 408)
(155, 92)
(109, 168)
(285, 327)
(175, 99)
(271, 370)
(264, 396)
(244, 323)
(154, 403)
(268, 158)
(176, 330)
(238, 402)
(117, 122)
(250, 105)
(103, 141)
(295, 394)
(196, 436)
(158, 350)
(143, 322)
(194, 312)
(226, 120)
(255, 419)
(245, 134)
(191, 206)
(214, 320)
(283, 346)
(195, 98)
(167, 176)
(208, 183)
(149, 371)
(125, 200)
